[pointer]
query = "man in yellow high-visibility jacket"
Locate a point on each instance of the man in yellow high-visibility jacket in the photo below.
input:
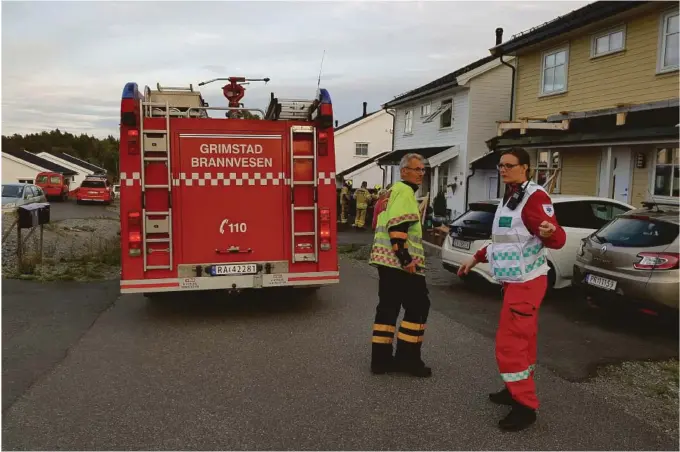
(363, 197)
(400, 258)
(344, 201)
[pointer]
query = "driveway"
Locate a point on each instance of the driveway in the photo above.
(204, 371)
(69, 210)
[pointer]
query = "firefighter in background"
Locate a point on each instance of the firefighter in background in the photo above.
(399, 256)
(523, 227)
(362, 197)
(345, 197)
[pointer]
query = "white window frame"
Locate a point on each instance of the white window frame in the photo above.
(425, 109)
(408, 122)
(661, 52)
(652, 184)
(550, 169)
(357, 146)
(563, 48)
(443, 176)
(602, 34)
(444, 108)
(440, 109)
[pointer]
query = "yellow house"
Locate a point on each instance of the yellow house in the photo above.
(595, 100)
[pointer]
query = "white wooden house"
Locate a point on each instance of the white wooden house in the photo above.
(448, 121)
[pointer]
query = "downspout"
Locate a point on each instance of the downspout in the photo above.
(467, 186)
(394, 129)
(499, 39)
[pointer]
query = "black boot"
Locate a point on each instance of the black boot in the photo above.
(407, 360)
(382, 360)
(501, 397)
(519, 418)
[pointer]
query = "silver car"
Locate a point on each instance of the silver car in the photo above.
(19, 194)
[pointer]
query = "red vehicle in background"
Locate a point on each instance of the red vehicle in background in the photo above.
(241, 202)
(95, 189)
(55, 185)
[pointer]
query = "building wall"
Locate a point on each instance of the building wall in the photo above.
(629, 76)
(641, 189)
(77, 179)
(580, 171)
(429, 134)
(12, 171)
(377, 132)
(489, 101)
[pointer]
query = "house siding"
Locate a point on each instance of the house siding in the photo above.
(641, 186)
(429, 135)
(580, 171)
(12, 171)
(377, 132)
(626, 77)
(489, 101)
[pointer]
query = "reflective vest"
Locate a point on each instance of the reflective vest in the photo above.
(362, 196)
(401, 207)
(515, 255)
(344, 194)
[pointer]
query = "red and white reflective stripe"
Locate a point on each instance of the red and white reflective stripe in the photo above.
(228, 179)
(129, 180)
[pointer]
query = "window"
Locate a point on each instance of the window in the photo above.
(426, 109)
(611, 41)
(605, 212)
(669, 42)
(408, 122)
(25, 181)
(629, 232)
(55, 180)
(554, 77)
(446, 118)
(547, 169)
(361, 149)
(667, 172)
(93, 184)
(38, 191)
(575, 214)
(444, 109)
(443, 176)
(41, 180)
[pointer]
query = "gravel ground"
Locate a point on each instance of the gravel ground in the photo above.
(646, 390)
(73, 249)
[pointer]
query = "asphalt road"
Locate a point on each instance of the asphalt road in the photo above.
(280, 372)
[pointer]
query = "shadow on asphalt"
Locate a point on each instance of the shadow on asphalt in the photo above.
(247, 304)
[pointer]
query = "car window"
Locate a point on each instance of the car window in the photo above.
(604, 212)
(575, 214)
(636, 232)
(38, 191)
(28, 192)
(479, 217)
(55, 180)
(93, 184)
(41, 180)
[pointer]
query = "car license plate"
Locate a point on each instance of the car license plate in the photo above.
(92, 193)
(602, 283)
(464, 244)
(235, 269)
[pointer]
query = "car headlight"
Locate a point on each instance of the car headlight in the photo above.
(581, 245)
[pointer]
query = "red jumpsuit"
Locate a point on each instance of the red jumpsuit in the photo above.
(516, 335)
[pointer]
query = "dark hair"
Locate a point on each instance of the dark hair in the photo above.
(522, 156)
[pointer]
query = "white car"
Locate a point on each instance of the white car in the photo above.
(578, 215)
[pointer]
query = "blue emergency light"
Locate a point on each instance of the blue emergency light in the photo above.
(130, 91)
(324, 97)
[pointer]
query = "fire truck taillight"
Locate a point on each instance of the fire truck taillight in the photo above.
(325, 228)
(322, 147)
(133, 142)
(135, 234)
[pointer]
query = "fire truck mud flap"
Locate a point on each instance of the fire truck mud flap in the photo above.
(238, 282)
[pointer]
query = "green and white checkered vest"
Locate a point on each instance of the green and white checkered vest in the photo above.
(515, 255)
(402, 206)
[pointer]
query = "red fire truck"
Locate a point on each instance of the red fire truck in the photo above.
(230, 202)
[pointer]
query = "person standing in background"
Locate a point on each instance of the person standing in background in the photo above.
(362, 196)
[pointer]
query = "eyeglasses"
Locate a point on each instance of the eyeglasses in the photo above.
(507, 166)
(417, 170)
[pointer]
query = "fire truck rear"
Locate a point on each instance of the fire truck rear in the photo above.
(224, 201)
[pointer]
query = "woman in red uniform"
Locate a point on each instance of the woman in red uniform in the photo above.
(524, 225)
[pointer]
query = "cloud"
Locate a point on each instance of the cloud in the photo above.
(65, 64)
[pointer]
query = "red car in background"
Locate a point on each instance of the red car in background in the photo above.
(53, 184)
(95, 189)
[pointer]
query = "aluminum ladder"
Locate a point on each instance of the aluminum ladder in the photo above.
(313, 256)
(294, 110)
(155, 150)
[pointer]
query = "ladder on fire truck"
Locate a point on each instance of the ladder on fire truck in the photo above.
(155, 150)
(314, 256)
(289, 109)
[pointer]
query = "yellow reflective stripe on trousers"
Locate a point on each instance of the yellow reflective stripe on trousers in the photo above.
(409, 338)
(381, 327)
(381, 340)
(413, 326)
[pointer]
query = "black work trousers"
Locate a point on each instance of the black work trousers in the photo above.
(397, 288)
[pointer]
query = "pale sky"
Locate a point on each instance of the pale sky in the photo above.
(64, 64)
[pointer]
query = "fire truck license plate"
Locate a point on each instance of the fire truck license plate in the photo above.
(235, 269)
